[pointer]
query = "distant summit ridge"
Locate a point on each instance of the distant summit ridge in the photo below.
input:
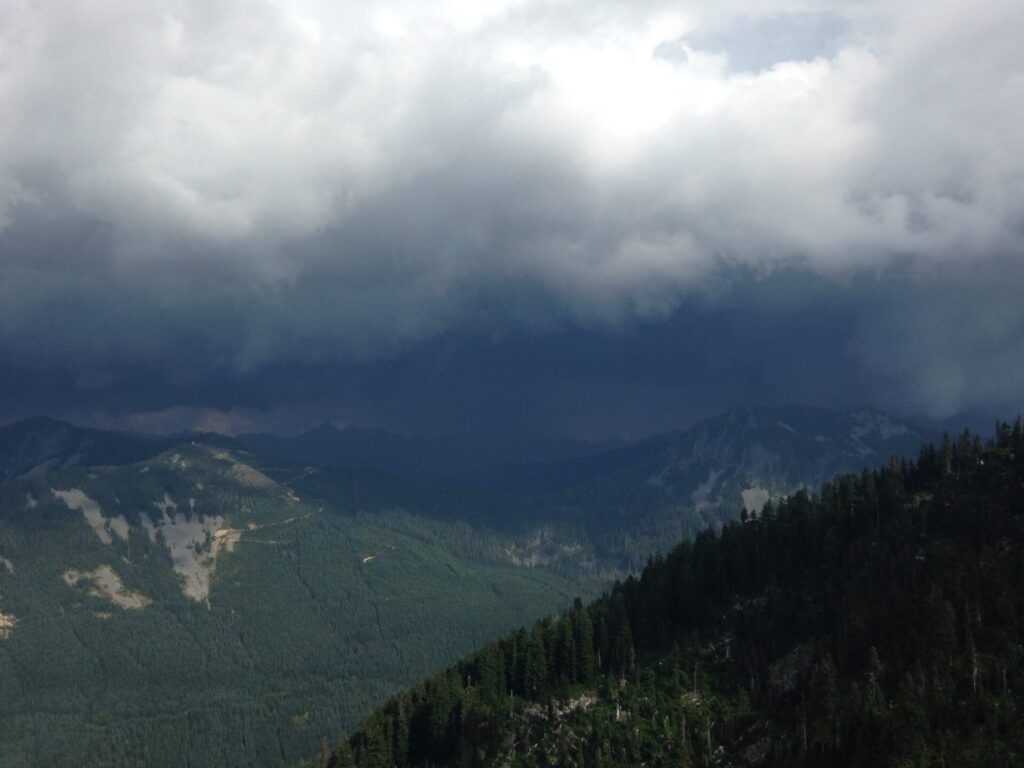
(752, 453)
(39, 444)
(741, 457)
(757, 453)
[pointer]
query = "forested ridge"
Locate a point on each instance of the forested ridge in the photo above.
(875, 623)
(317, 615)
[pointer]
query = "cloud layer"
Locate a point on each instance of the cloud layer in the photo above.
(239, 185)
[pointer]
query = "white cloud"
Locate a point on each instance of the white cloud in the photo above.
(330, 180)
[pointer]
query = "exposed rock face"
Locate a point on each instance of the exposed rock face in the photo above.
(8, 621)
(194, 540)
(106, 584)
(102, 526)
(194, 543)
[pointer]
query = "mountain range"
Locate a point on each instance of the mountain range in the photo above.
(38, 445)
(283, 594)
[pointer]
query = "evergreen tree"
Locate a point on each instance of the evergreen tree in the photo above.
(566, 660)
(824, 633)
(583, 635)
(343, 757)
(536, 664)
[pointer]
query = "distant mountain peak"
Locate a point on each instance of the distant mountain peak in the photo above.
(747, 455)
(40, 443)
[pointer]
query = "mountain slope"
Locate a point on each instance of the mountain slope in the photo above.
(749, 455)
(40, 444)
(418, 457)
(875, 624)
(646, 497)
(150, 609)
(609, 512)
(776, 449)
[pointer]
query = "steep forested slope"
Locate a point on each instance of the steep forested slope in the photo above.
(878, 623)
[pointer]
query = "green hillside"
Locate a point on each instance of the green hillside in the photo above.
(206, 615)
(875, 624)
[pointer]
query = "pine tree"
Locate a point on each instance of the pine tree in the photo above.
(824, 710)
(566, 660)
(874, 697)
(342, 757)
(623, 651)
(400, 734)
(583, 634)
(374, 750)
(536, 666)
(603, 643)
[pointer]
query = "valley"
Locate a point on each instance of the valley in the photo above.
(151, 609)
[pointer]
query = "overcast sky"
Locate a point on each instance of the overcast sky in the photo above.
(586, 217)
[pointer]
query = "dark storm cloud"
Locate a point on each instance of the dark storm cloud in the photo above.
(201, 203)
(783, 338)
